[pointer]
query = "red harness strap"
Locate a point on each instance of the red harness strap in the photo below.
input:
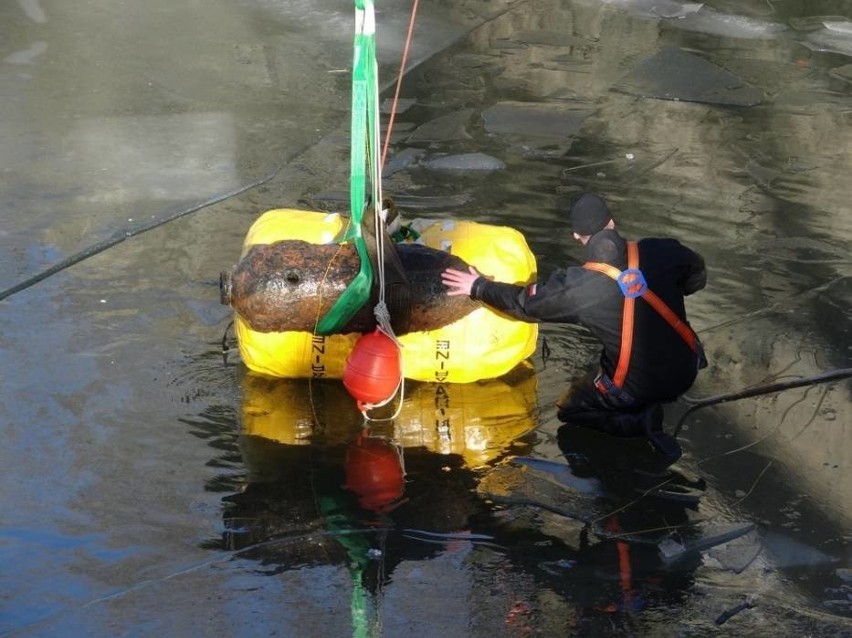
(633, 285)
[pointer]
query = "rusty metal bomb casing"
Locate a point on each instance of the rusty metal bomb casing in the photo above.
(289, 285)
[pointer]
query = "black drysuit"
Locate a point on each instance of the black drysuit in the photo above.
(662, 365)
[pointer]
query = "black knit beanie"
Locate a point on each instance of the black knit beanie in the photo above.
(589, 214)
(607, 246)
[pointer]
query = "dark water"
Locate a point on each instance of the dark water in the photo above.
(152, 486)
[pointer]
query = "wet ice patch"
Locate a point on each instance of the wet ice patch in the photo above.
(812, 23)
(843, 27)
(656, 8)
(335, 199)
(842, 72)
(694, 16)
(26, 56)
(562, 473)
(799, 250)
(789, 552)
(674, 74)
(545, 152)
(402, 105)
(519, 484)
(729, 26)
(830, 34)
(208, 313)
(443, 129)
(700, 538)
(171, 157)
(465, 162)
(837, 39)
(40, 254)
(738, 554)
(537, 120)
(33, 10)
(675, 9)
(549, 38)
(406, 158)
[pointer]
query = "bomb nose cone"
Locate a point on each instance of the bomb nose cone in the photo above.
(226, 287)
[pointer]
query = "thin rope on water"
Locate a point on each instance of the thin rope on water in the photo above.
(220, 557)
(678, 526)
(750, 392)
(126, 233)
(832, 375)
(692, 523)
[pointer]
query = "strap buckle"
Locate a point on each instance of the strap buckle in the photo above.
(606, 386)
(632, 283)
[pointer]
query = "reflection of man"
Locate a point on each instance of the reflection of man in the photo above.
(625, 510)
(630, 295)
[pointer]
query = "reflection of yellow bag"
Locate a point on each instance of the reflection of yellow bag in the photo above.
(477, 421)
(482, 345)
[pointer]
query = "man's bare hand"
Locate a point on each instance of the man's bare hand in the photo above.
(459, 282)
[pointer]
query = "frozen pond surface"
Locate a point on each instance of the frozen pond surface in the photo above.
(153, 488)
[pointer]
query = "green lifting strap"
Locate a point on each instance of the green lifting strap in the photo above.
(363, 134)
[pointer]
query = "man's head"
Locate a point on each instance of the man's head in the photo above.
(589, 215)
(607, 246)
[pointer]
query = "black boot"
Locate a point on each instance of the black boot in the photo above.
(665, 444)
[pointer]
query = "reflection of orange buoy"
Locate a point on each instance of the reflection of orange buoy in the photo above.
(373, 372)
(374, 472)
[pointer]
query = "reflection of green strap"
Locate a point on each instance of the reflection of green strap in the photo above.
(363, 134)
(357, 548)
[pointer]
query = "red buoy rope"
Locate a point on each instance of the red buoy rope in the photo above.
(395, 101)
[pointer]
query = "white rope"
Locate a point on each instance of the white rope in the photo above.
(381, 311)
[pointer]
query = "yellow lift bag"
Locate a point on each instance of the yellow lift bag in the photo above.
(481, 345)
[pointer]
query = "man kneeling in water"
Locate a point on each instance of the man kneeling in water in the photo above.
(630, 295)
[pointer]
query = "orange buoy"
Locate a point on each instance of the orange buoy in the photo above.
(373, 371)
(374, 472)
